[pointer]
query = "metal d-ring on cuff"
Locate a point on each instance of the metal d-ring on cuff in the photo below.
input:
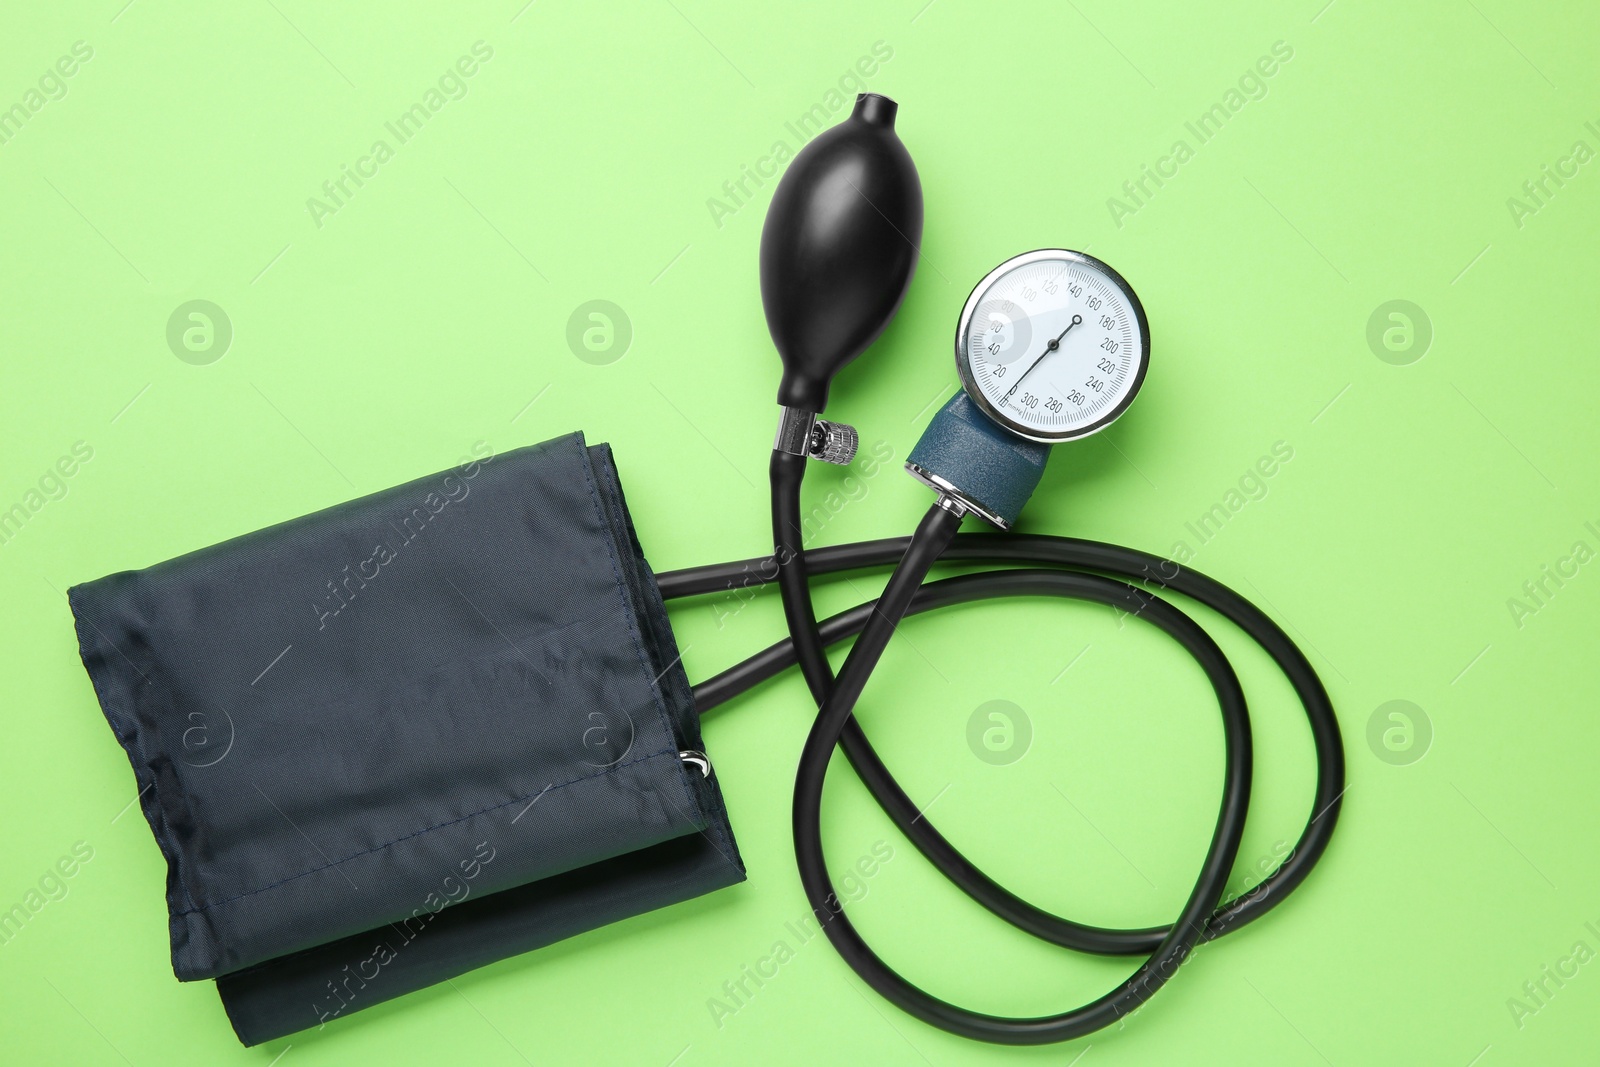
(696, 758)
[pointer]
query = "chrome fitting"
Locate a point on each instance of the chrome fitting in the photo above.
(794, 432)
(953, 500)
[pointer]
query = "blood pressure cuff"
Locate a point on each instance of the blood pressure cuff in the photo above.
(407, 736)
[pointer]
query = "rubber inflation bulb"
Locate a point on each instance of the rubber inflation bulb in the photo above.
(838, 248)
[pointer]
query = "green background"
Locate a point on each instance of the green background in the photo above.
(430, 311)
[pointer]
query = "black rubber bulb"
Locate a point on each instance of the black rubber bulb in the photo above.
(838, 248)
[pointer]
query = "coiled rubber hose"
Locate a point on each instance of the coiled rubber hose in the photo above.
(1085, 570)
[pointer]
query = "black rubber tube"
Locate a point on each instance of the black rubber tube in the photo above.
(808, 648)
(1085, 557)
(792, 568)
(794, 582)
(932, 537)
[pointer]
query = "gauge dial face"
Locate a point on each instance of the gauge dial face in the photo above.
(1052, 345)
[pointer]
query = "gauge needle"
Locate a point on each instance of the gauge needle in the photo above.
(1054, 344)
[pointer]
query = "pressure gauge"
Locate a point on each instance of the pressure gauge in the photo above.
(1052, 345)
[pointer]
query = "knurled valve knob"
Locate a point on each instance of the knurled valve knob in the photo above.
(833, 442)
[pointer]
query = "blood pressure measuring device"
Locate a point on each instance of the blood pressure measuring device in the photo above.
(1052, 346)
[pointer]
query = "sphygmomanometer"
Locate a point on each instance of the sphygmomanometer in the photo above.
(447, 723)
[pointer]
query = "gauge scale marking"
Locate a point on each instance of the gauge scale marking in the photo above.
(1053, 345)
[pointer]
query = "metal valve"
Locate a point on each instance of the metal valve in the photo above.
(833, 442)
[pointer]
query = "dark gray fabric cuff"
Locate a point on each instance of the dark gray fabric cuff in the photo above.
(408, 735)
